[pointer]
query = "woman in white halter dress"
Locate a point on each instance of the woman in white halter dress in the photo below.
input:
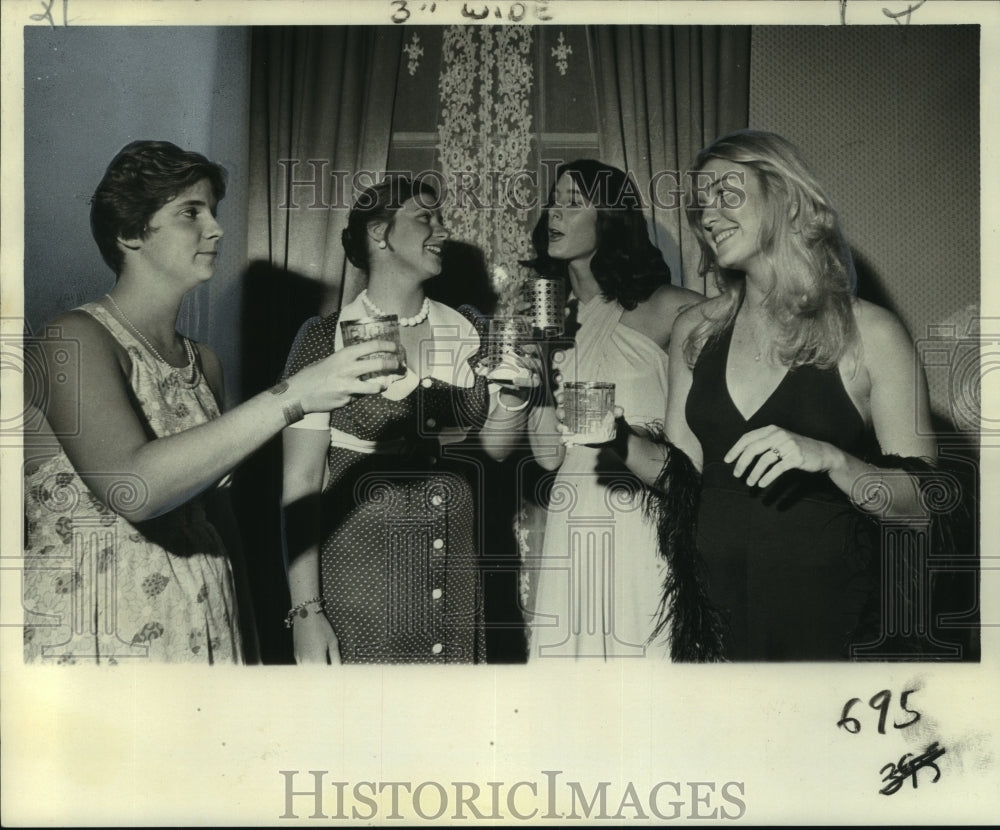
(599, 578)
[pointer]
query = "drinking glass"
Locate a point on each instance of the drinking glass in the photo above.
(586, 403)
(506, 335)
(548, 305)
(385, 327)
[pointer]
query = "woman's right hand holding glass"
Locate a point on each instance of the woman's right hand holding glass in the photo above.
(333, 381)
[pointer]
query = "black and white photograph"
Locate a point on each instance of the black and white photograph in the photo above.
(508, 413)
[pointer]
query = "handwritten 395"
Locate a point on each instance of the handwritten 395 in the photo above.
(895, 775)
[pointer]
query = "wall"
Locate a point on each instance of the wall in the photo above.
(88, 92)
(888, 118)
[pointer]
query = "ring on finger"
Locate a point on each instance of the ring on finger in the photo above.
(777, 452)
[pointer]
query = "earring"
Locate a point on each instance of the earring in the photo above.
(381, 244)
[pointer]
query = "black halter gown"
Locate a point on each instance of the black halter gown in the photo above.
(792, 567)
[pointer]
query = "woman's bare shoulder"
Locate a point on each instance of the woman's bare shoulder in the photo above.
(75, 323)
(878, 327)
(672, 300)
(692, 315)
(82, 333)
(657, 316)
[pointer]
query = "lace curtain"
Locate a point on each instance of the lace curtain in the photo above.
(484, 141)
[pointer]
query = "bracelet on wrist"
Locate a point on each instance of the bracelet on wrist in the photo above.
(517, 408)
(302, 610)
(293, 412)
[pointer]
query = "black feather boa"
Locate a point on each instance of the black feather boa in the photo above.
(919, 594)
(692, 626)
(686, 618)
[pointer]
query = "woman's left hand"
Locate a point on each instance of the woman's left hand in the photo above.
(770, 451)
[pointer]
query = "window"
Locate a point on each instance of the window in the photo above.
(551, 83)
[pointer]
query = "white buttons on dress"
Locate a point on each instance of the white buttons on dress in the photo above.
(427, 383)
(437, 593)
(438, 544)
(436, 501)
(437, 648)
(431, 423)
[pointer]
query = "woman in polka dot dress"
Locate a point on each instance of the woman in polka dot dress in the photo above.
(123, 559)
(380, 497)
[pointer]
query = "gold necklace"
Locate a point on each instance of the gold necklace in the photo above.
(753, 326)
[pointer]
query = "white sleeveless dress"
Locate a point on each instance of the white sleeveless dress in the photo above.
(599, 577)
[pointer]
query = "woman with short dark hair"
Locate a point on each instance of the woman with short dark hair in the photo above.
(124, 558)
(381, 504)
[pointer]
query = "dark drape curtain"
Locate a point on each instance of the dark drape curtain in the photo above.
(321, 103)
(663, 93)
(321, 112)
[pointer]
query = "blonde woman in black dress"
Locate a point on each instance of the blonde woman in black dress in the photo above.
(798, 404)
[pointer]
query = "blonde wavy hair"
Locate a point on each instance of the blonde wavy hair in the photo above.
(810, 299)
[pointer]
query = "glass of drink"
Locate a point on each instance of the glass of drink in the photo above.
(548, 305)
(586, 403)
(506, 335)
(385, 327)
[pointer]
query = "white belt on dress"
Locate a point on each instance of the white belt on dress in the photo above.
(394, 446)
(339, 438)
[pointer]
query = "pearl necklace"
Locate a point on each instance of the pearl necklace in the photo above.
(415, 320)
(188, 351)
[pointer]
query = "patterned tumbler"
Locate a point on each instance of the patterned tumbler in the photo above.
(586, 404)
(375, 328)
(548, 305)
(505, 335)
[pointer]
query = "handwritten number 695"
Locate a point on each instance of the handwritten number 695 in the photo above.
(880, 703)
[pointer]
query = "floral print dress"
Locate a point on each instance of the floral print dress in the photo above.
(100, 589)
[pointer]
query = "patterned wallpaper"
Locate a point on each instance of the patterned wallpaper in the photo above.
(888, 118)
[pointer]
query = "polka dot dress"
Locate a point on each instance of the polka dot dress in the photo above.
(399, 567)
